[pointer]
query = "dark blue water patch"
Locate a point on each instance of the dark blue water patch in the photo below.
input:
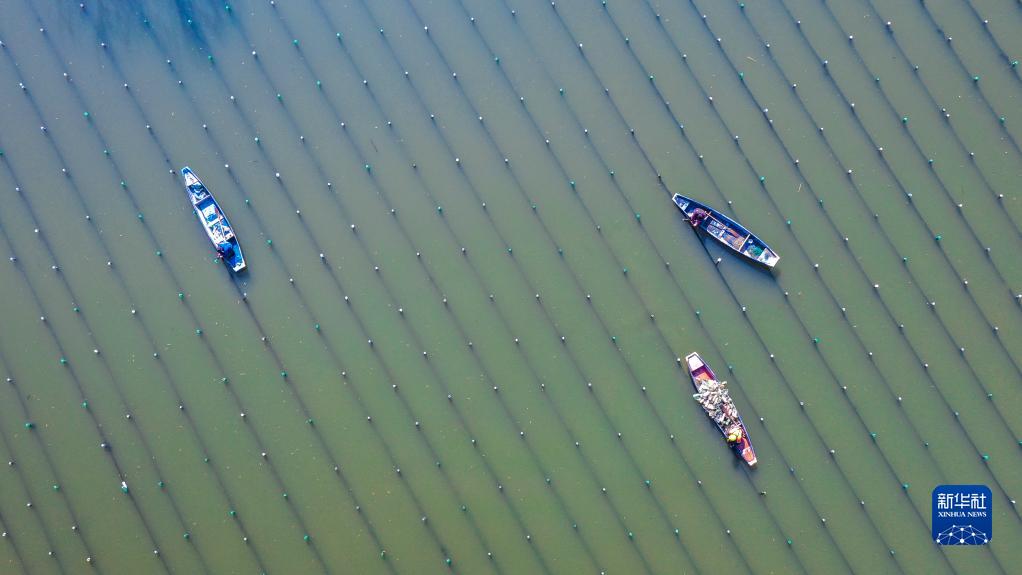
(124, 22)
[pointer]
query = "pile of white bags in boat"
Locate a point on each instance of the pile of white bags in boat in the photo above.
(714, 398)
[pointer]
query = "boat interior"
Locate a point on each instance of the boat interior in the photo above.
(215, 222)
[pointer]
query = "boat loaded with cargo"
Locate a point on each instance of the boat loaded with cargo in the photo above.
(715, 400)
(213, 220)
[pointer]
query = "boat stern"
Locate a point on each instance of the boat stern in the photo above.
(236, 260)
(749, 457)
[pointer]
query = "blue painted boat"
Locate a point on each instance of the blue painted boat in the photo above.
(726, 231)
(213, 220)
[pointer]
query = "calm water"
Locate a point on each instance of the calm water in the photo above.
(455, 349)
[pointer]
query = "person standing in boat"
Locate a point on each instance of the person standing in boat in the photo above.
(224, 250)
(735, 435)
(698, 215)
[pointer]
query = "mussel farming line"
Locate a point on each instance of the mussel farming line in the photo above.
(345, 483)
(10, 540)
(418, 343)
(181, 404)
(925, 90)
(545, 414)
(118, 469)
(683, 290)
(927, 300)
(985, 24)
(505, 320)
(933, 233)
(888, 168)
(604, 164)
(606, 330)
(1008, 61)
(13, 383)
(888, 34)
(977, 449)
(193, 317)
(948, 41)
(687, 303)
(428, 274)
(151, 340)
(12, 380)
(858, 263)
(461, 329)
(858, 189)
(807, 333)
(838, 306)
(304, 303)
(915, 282)
(649, 161)
(833, 376)
(5, 449)
(72, 187)
(911, 137)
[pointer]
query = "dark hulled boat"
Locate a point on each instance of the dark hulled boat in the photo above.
(726, 231)
(213, 220)
(713, 397)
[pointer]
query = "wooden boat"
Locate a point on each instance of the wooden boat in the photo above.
(726, 231)
(213, 220)
(713, 397)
